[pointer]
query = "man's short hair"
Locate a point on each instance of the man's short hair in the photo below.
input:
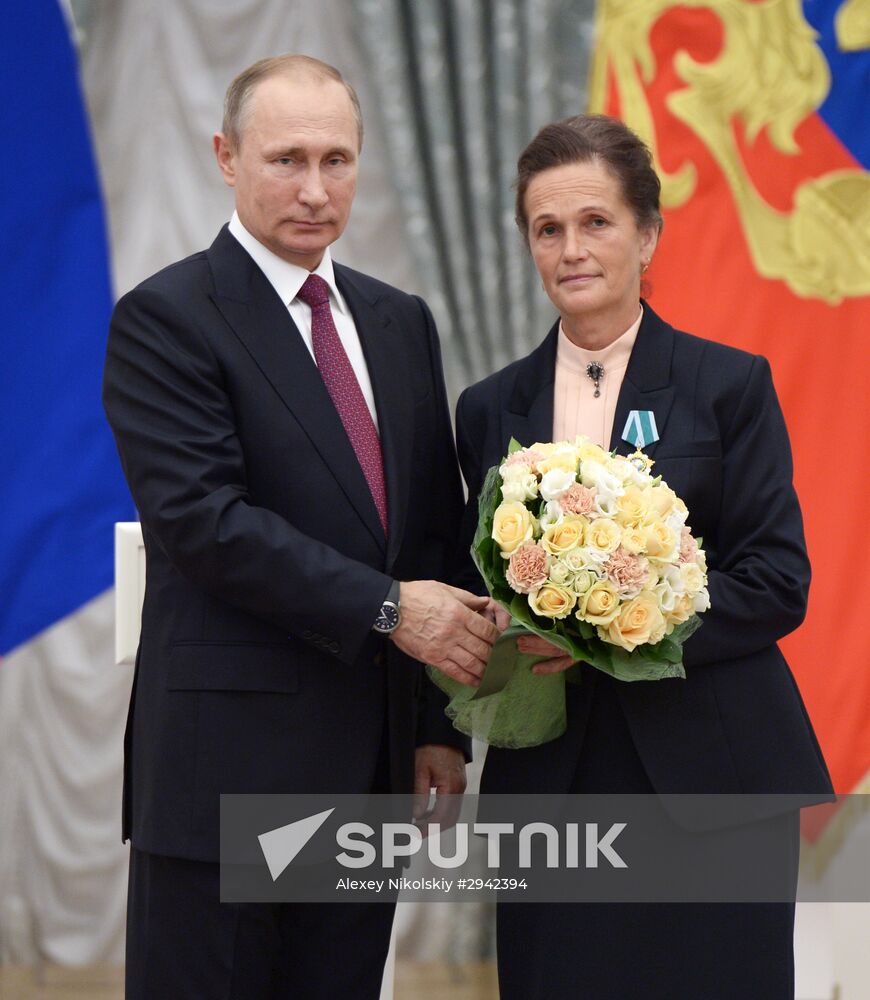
(238, 96)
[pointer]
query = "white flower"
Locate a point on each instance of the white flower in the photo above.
(553, 514)
(701, 600)
(693, 578)
(669, 587)
(594, 558)
(597, 477)
(555, 482)
(560, 573)
(520, 488)
(581, 559)
(676, 519)
(605, 505)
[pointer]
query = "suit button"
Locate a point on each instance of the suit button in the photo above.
(307, 633)
(334, 647)
(379, 659)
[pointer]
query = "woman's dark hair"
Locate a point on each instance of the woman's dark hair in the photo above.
(586, 138)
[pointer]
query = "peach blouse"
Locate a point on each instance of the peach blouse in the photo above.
(576, 410)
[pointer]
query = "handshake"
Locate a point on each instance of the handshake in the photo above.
(449, 628)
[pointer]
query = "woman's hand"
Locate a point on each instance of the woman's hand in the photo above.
(541, 647)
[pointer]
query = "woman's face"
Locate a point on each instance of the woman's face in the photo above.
(586, 244)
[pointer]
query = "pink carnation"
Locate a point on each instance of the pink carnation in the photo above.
(525, 456)
(528, 568)
(628, 573)
(578, 499)
(688, 546)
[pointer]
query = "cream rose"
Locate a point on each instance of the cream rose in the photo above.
(662, 500)
(661, 543)
(564, 457)
(566, 535)
(632, 508)
(628, 472)
(541, 451)
(589, 452)
(552, 601)
(639, 621)
(634, 541)
(603, 535)
(600, 604)
(512, 525)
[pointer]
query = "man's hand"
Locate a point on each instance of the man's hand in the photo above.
(445, 627)
(496, 614)
(541, 647)
(442, 768)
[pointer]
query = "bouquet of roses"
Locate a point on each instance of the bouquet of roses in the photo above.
(590, 551)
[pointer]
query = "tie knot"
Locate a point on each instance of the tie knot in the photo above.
(314, 291)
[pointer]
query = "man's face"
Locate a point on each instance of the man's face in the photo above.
(294, 167)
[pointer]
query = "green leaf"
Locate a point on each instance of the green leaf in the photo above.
(514, 445)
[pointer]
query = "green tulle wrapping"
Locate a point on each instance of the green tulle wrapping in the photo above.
(515, 708)
(512, 707)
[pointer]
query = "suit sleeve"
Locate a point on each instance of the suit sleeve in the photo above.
(468, 430)
(164, 395)
(760, 574)
(433, 726)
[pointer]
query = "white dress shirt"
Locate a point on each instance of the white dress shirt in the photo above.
(287, 279)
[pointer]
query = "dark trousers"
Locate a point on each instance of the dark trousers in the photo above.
(184, 944)
(649, 951)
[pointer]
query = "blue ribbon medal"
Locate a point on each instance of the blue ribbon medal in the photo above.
(640, 428)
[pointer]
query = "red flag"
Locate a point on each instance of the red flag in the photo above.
(760, 126)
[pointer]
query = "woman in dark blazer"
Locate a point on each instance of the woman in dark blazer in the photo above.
(588, 208)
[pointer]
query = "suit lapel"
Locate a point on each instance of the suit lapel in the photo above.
(529, 413)
(256, 315)
(382, 346)
(647, 382)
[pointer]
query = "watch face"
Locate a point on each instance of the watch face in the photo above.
(388, 619)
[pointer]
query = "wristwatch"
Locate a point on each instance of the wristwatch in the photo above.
(390, 615)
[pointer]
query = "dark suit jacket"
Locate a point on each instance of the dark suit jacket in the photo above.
(257, 668)
(737, 723)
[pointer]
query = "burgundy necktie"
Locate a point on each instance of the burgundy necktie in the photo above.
(342, 385)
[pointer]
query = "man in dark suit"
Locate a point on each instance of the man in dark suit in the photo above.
(283, 426)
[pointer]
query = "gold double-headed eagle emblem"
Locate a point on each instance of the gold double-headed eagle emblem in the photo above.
(770, 74)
